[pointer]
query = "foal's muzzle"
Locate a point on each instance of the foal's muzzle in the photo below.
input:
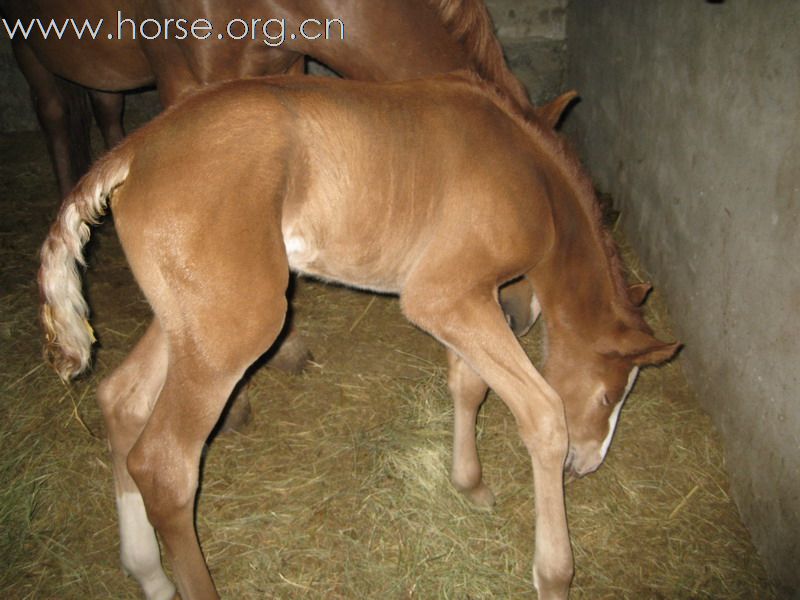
(575, 467)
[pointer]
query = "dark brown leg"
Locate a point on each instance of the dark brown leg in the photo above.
(519, 305)
(63, 113)
(108, 108)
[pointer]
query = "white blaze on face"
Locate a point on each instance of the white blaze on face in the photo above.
(612, 419)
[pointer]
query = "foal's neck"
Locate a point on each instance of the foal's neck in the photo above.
(579, 284)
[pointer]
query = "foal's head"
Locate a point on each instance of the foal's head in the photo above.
(594, 378)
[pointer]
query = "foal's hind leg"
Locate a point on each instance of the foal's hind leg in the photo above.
(126, 399)
(203, 369)
(291, 356)
(469, 321)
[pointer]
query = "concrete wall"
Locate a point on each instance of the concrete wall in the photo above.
(533, 34)
(691, 119)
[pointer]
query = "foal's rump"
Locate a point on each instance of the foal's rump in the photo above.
(192, 241)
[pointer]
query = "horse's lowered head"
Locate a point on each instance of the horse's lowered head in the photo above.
(594, 378)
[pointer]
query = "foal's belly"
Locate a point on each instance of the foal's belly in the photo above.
(358, 260)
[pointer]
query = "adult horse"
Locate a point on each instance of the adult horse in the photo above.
(300, 182)
(383, 40)
(373, 40)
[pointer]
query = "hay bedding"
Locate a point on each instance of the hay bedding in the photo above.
(339, 488)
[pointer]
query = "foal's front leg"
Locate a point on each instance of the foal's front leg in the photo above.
(468, 391)
(472, 325)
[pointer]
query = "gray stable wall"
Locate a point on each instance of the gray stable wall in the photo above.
(691, 118)
(533, 34)
(532, 31)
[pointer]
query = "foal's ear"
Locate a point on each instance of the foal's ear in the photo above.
(639, 347)
(644, 349)
(660, 353)
(638, 292)
(551, 112)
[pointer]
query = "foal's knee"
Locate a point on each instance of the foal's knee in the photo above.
(545, 434)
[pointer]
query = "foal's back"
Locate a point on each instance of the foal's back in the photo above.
(361, 176)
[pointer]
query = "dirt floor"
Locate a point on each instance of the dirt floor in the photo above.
(339, 487)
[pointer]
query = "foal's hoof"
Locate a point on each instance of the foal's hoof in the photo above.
(293, 355)
(238, 415)
(480, 495)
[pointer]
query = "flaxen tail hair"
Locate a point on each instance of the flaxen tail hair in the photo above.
(64, 312)
(470, 23)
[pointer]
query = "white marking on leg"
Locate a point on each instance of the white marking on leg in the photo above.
(614, 417)
(139, 550)
(536, 310)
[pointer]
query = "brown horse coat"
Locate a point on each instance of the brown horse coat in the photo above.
(372, 186)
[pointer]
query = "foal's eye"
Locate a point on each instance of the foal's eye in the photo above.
(606, 400)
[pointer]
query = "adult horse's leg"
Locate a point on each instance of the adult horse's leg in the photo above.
(126, 399)
(63, 113)
(468, 320)
(108, 108)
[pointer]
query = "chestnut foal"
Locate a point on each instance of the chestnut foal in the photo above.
(369, 185)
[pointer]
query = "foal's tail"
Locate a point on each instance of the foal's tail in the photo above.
(64, 312)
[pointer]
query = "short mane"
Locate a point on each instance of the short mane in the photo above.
(470, 23)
